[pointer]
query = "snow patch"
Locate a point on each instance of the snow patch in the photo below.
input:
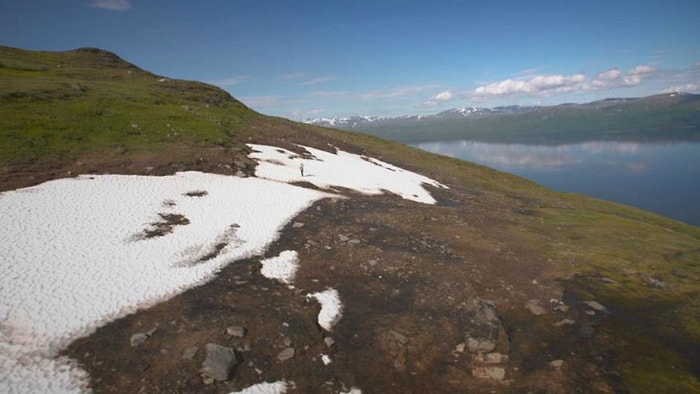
(265, 388)
(71, 261)
(282, 267)
(331, 308)
(327, 170)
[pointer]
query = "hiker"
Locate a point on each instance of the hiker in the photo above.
(301, 169)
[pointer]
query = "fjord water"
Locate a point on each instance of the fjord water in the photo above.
(659, 177)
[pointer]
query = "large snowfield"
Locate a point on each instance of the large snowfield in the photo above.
(80, 252)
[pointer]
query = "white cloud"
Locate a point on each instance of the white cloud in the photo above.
(547, 85)
(303, 113)
(112, 5)
(609, 75)
(643, 69)
(260, 101)
(292, 76)
(230, 81)
(316, 81)
(688, 88)
(400, 91)
(536, 85)
(440, 98)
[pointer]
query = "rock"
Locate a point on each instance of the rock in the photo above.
(343, 238)
(460, 348)
(138, 339)
(494, 358)
(493, 373)
(482, 325)
(562, 308)
(190, 352)
(595, 305)
(354, 241)
(535, 307)
(286, 354)
(329, 341)
(475, 345)
(564, 322)
(236, 331)
(219, 363)
(556, 363)
(297, 225)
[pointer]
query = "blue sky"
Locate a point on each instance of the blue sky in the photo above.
(301, 59)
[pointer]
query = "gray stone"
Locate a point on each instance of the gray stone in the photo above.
(354, 241)
(482, 345)
(329, 341)
(562, 308)
(236, 331)
(494, 358)
(556, 363)
(297, 225)
(595, 305)
(564, 322)
(219, 363)
(482, 325)
(138, 339)
(190, 352)
(535, 307)
(343, 238)
(493, 373)
(286, 354)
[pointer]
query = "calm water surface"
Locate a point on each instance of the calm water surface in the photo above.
(663, 178)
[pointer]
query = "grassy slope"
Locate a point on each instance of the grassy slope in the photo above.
(656, 118)
(61, 108)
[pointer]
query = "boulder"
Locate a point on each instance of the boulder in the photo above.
(219, 362)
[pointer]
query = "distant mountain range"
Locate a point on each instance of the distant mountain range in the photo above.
(672, 116)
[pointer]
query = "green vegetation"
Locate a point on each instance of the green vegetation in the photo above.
(656, 118)
(57, 105)
(59, 108)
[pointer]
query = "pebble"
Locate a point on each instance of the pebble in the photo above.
(595, 305)
(329, 341)
(138, 339)
(556, 363)
(286, 354)
(190, 352)
(236, 331)
(535, 307)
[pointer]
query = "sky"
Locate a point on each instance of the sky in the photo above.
(304, 59)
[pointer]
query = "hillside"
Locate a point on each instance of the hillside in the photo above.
(664, 117)
(500, 285)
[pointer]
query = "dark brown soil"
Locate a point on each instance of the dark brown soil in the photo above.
(404, 273)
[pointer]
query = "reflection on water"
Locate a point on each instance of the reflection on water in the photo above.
(664, 178)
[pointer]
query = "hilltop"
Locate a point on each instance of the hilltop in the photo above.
(663, 117)
(500, 285)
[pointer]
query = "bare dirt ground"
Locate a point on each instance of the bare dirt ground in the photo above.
(406, 274)
(416, 281)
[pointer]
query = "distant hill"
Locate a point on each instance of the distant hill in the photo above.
(501, 286)
(672, 116)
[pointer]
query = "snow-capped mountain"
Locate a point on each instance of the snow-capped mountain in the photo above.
(356, 122)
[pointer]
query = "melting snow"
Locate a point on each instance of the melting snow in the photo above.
(282, 267)
(325, 170)
(75, 254)
(265, 388)
(79, 252)
(331, 308)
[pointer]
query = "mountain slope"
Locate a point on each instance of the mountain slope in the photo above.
(673, 116)
(420, 282)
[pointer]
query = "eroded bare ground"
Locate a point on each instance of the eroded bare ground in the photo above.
(411, 277)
